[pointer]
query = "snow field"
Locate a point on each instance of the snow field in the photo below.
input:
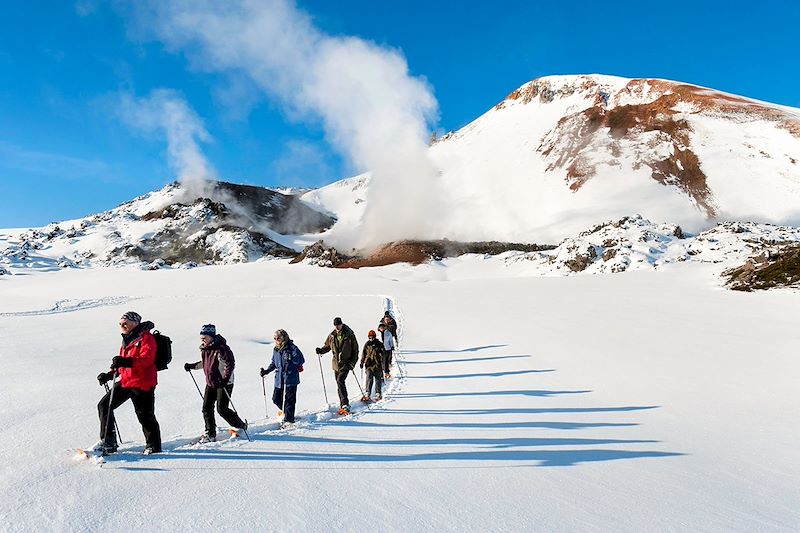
(639, 401)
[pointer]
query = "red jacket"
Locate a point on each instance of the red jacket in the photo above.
(143, 374)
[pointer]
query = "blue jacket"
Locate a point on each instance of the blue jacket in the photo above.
(287, 361)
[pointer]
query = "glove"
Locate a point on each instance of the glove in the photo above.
(121, 362)
(318, 350)
(188, 367)
(300, 368)
(263, 372)
(104, 377)
(361, 365)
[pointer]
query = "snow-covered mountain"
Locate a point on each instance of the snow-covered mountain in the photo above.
(178, 225)
(563, 153)
(558, 156)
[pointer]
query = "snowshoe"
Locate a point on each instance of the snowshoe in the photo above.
(150, 450)
(205, 439)
(365, 399)
(234, 433)
(344, 410)
(387, 376)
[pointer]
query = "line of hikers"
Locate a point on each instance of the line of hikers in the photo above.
(144, 352)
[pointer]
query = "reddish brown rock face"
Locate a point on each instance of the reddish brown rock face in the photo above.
(609, 130)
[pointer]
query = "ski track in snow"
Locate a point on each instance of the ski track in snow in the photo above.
(267, 428)
(69, 306)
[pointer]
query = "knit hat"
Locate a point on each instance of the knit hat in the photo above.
(337, 321)
(387, 313)
(209, 330)
(371, 333)
(133, 316)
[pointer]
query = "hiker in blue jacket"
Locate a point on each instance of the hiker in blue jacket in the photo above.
(287, 362)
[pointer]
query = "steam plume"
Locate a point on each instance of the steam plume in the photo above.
(373, 110)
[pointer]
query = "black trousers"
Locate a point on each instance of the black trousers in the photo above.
(216, 395)
(341, 386)
(374, 377)
(387, 360)
(144, 403)
(291, 399)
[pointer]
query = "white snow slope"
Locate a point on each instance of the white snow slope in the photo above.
(642, 401)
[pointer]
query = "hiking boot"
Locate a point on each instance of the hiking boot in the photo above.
(344, 410)
(378, 397)
(106, 449)
(207, 438)
(150, 450)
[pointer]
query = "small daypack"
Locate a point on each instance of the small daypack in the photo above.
(163, 350)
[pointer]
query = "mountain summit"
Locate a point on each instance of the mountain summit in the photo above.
(561, 153)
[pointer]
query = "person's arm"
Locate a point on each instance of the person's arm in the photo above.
(229, 362)
(299, 359)
(325, 347)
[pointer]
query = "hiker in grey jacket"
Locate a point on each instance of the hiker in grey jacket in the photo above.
(388, 347)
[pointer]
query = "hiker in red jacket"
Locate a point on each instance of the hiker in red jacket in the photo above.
(136, 366)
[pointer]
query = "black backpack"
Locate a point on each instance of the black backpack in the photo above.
(163, 350)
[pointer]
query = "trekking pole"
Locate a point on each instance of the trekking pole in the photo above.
(322, 375)
(359, 385)
(235, 411)
(110, 411)
(264, 389)
(116, 426)
(196, 386)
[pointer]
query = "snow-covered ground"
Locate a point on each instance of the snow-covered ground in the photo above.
(640, 401)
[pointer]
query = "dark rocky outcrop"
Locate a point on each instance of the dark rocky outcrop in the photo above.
(772, 268)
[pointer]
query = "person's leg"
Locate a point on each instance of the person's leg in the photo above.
(144, 402)
(341, 387)
(223, 407)
(291, 399)
(388, 360)
(121, 395)
(379, 384)
(209, 399)
(370, 380)
(277, 398)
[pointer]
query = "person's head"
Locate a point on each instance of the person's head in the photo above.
(387, 319)
(338, 324)
(207, 335)
(387, 314)
(129, 321)
(371, 335)
(381, 326)
(280, 338)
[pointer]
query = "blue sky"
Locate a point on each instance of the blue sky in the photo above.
(65, 152)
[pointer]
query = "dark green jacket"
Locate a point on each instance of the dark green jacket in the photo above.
(372, 355)
(345, 353)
